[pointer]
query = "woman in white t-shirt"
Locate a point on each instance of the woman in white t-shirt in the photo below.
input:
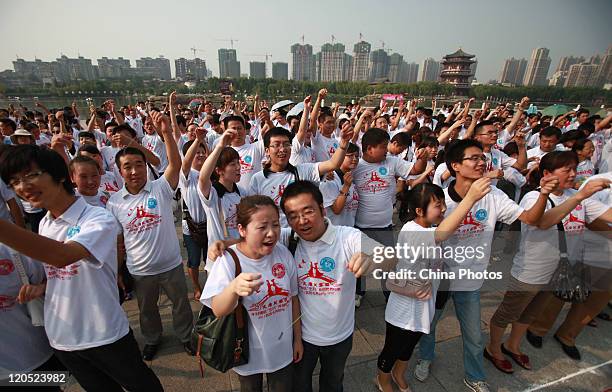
(267, 288)
(219, 190)
(584, 149)
(409, 312)
(538, 255)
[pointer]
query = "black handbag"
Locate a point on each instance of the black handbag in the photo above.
(222, 342)
(197, 231)
(570, 282)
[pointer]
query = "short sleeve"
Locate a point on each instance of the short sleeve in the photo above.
(506, 161)
(309, 172)
(358, 242)
(507, 210)
(98, 234)
(34, 270)
(164, 187)
(221, 274)
(330, 191)
(402, 168)
(593, 209)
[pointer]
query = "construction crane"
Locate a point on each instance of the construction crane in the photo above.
(383, 47)
(230, 40)
(194, 50)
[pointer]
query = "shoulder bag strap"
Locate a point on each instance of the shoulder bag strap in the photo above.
(238, 311)
(560, 233)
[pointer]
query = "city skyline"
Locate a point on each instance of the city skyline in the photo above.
(181, 30)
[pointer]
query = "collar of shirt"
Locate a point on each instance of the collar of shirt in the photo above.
(125, 193)
(327, 237)
(72, 214)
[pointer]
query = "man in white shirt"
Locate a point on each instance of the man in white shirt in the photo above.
(144, 210)
(549, 138)
(465, 160)
(84, 322)
(329, 259)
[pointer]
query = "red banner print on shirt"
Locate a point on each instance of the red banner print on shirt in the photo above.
(7, 302)
(275, 300)
(6, 267)
(143, 220)
(312, 280)
(65, 273)
(374, 184)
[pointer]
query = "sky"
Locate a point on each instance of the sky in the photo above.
(493, 30)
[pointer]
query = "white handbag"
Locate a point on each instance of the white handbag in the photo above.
(36, 307)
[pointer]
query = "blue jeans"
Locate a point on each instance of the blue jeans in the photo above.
(467, 309)
(195, 253)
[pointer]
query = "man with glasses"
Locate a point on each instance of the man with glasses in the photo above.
(466, 161)
(278, 173)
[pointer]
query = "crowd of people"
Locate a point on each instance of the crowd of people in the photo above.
(299, 202)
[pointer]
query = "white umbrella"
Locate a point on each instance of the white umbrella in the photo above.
(281, 104)
(296, 110)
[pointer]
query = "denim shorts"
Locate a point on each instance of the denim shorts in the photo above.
(195, 253)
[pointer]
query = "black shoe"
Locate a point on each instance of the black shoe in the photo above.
(189, 348)
(571, 351)
(534, 340)
(149, 351)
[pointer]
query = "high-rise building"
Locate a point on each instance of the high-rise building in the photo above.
(604, 74)
(75, 69)
(347, 67)
(303, 62)
(190, 69)
(280, 71)
(229, 66)
(44, 71)
(582, 75)
(537, 69)
(113, 68)
(473, 70)
(257, 70)
(568, 61)
(379, 65)
(430, 71)
(513, 72)
(558, 79)
(158, 68)
(330, 63)
(395, 68)
(361, 61)
(411, 71)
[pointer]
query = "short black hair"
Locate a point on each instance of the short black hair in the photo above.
(9, 122)
(582, 111)
(374, 137)
(300, 188)
(89, 148)
(418, 197)
(109, 124)
(587, 128)
(455, 151)
(572, 135)
(16, 159)
(128, 151)
(125, 127)
(402, 138)
(276, 131)
(482, 124)
(227, 120)
(352, 148)
(551, 131)
(87, 134)
(186, 146)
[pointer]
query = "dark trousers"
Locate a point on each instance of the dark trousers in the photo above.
(278, 381)
(333, 358)
(52, 365)
(111, 367)
(399, 344)
(383, 235)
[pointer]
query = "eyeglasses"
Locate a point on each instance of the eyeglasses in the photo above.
(306, 214)
(27, 179)
(280, 145)
(490, 133)
(476, 158)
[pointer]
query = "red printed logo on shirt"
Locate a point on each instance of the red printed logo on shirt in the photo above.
(6, 267)
(314, 278)
(374, 184)
(143, 221)
(275, 300)
(7, 302)
(278, 270)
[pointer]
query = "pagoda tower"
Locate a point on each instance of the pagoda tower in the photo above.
(457, 71)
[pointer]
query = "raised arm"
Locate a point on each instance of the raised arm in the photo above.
(301, 133)
(444, 136)
(396, 119)
(176, 131)
(121, 140)
(174, 158)
(75, 110)
(603, 124)
(316, 109)
(475, 119)
(193, 149)
(116, 115)
(204, 182)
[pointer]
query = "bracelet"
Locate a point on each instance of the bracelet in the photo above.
(342, 148)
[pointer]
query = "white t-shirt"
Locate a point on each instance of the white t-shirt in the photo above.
(323, 147)
(584, 170)
(331, 190)
(437, 178)
(82, 302)
(251, 156)
(269, 308)
(301, 153)
(275, 183)
(43, 141)
(98, 200)
(6, 194)
(538, 255)
(407, 312)
(476, 232)
(229, 204)
(135, 123)
(497, 159)
(598, 250)
(191, 198)
(110, 182)
(108, 155)
(375, 184)
(155, 144)
(537, 152)
(326, 286)
(147, 220)
(24, 347)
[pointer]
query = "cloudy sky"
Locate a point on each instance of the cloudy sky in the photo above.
(491, 29)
